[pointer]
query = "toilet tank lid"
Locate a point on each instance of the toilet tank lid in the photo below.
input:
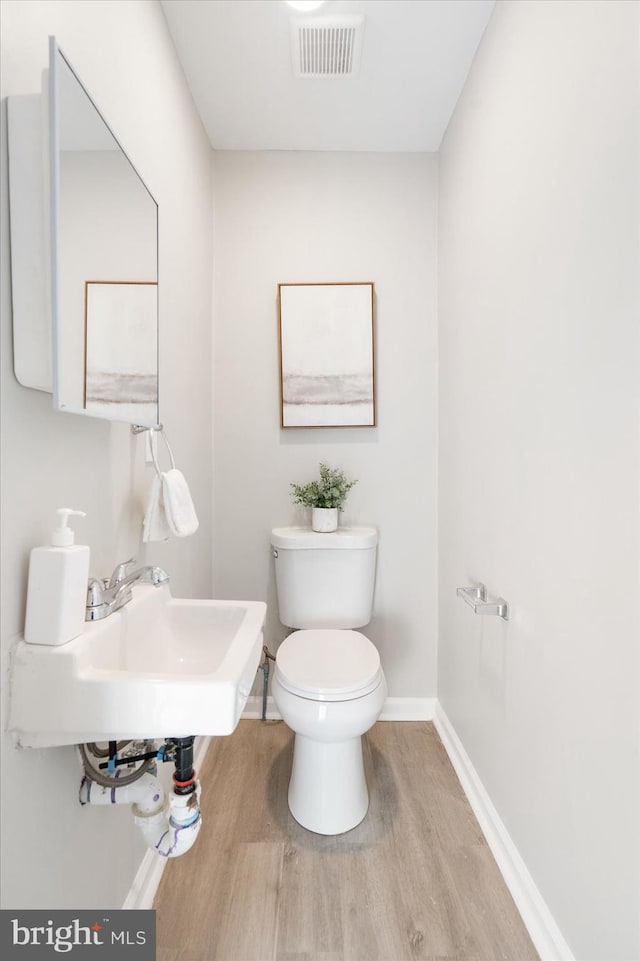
(303, 538)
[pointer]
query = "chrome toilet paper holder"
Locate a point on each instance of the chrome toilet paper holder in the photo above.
(476, 597)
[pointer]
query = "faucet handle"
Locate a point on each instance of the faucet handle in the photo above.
(94, 592)
(96, 605)
(121, 571)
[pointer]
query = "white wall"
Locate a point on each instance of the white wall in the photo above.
(285, 217)
(539, 459)
(55, 854)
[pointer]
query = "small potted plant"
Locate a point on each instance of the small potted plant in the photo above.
(325, 497)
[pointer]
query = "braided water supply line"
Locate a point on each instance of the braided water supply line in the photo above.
(264, 667)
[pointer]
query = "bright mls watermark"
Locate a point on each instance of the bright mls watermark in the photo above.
(78, 934)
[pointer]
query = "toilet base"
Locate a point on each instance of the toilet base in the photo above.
(328, 790)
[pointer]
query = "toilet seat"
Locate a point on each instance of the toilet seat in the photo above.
(328, 665)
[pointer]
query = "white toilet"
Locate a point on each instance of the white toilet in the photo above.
(328, 683)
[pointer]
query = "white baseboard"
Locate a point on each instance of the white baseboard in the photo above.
(540, 923)
(408, 709)
(145, 884)
(253, 709)
(395, 709)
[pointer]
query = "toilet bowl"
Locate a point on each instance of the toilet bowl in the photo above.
(328, 683)
(329, 705)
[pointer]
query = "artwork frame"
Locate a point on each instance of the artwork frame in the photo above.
(326, 339)
(121, 349)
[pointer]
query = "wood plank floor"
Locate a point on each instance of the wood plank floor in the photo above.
(414, 882)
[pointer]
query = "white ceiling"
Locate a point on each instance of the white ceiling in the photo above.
(237, 60)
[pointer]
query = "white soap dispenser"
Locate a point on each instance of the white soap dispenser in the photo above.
(57, 591)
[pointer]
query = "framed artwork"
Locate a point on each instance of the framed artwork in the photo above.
(121, 348)
(327, 355)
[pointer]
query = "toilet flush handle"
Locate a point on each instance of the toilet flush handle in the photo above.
(274, 552)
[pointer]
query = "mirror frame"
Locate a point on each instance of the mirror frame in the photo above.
(54, 166)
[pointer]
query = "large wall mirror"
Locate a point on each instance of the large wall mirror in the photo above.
(104, 264)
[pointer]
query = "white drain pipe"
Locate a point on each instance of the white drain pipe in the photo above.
(169, 826)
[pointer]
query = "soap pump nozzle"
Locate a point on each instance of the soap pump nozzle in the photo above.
(63, 535)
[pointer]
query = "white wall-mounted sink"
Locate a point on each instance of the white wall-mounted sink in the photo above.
(158, 667)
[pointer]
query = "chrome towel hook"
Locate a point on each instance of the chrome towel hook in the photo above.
(138, 429)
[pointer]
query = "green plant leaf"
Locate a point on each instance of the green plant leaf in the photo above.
(330, 491)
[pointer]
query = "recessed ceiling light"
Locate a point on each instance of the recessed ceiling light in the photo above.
(305, 6)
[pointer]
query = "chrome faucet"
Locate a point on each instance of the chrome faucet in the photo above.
(109, 595)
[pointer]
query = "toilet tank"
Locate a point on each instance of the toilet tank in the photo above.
(325, 580)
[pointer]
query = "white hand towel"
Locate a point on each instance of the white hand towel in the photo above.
(178, 506)
(155, 527)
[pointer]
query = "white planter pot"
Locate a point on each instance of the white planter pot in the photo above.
(324, 519)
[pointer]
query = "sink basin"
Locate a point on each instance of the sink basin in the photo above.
(159, 667)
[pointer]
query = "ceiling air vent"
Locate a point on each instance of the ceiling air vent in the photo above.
(327, 47)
